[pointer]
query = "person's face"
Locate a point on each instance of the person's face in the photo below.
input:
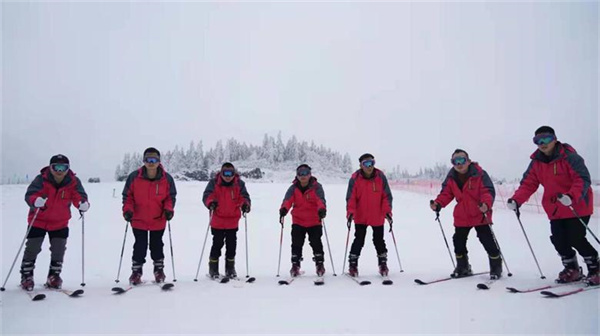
(151, 161)
(59, 170)
(545, 142)
(460, 162)
(227, 174)
(303, 175)
(367, 166)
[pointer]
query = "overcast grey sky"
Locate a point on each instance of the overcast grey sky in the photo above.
(408, 82)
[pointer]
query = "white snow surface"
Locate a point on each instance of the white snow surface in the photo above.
(264, 307)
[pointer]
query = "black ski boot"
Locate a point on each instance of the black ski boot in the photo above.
(382, 260)
(463, 268)
(230, 268)
(213, 268)
(159, 272)
(136, 273)
(495, 267)
(572, 271)
(353, 265)
(593, 265)
(319, 260)
(27, 275)
(54, 281)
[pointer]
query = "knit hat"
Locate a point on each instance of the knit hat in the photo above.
(59, 158)
(365, 156)
(545, 130)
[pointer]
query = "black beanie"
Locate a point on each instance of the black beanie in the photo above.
(59, 158)
(304, 165)
(365, 156)
(227, 165)
(544, 130)
(151, 150)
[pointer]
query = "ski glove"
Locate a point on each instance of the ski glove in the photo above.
(245, 208)
(483, 208)
(282, 213)
(128, 215)
(84, 206)
(435, 206)
(512, 204)
(565, 200)
(169, 214)
(322, 213)
(213, 205)
(40, 202)
(350, 218)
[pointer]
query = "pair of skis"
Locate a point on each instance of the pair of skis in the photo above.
(385, 280)
(225, 279)
(553, 294)
(37, 296)
(319, 281)
(164, 286)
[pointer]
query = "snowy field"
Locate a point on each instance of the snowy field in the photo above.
(339, 307)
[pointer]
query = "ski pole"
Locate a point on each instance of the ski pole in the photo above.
(396, 247)
(246, 236)
(346, 250)
(584, 224)
(203, 245)
(122, 250)
(518, 214)
(20, 247)
(171, 246)
(437, 218)
(82, 250)
(328, 247)
(280, 245)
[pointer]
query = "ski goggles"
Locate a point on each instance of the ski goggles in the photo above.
(459, 160)
(543, 139)
(151, 160)
(60, 167)
(368, 163)
(303, 172)
(228, 172)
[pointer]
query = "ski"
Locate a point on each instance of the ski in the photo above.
(562, 294)
(421, 282)
(536, 289)
(162, 285)
(35, 296)
(358, 280)
(319, 281)
(487, 284)
(287, 281)
(121, 290)
(73, 294)
(248, 280)
(386, 280)
(220, 279)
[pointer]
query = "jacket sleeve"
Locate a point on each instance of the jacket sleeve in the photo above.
(288, 199)
(351, 198)
(322, 204)
(529, 184)
(488, 193)
(80, 194)
(387, 200)
(244, 193)
(170, 201)
(128, 194)
(446, 195)
(580, 176)
(34, 190)
(208, 195)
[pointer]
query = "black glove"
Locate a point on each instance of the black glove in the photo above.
(322, 213)
(282, 213)
(350, 218)
(512, 205)
(438, 207)
(389, 218)
(128, 215)
(169, 214)
(213, 205)
(245, 208)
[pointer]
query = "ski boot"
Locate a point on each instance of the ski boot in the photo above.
(136, 274)
(27, 275)
(382, 260)
(213, 268)
(230, 268)
(54, 281)
(463, 268)
(572, 271)
(353, 265)
(593, 278)
(319, 260)
(295, 270)
(495, 267)
(159, 273)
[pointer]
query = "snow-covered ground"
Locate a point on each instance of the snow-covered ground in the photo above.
(339, 307)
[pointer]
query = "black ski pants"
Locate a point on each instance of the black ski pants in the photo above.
(360, 232)
(484, 233)
(314, 238)
(140, 247)
(569, 233)
(227, 237)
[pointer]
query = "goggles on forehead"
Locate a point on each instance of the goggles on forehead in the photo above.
(543, 139)
(60, 167)
(151, 160)
(368, 163)
(303, 172)
(459, 160)
(227, 172)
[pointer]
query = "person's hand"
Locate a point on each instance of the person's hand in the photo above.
(169, 214)
(350, 219)
(483, 208)
(565, 200)
(435, 206)
(213, 205)
(282, 213)
(512, 204)
(245, 208)
(40, 202)
(322, 213)
(84, 206)
(128, 215)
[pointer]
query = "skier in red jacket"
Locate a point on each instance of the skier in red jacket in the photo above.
(307, 198)
(148, 202)
(368, 203)
(227, 198)
(567, 195)
(474, 193)
(50, 195)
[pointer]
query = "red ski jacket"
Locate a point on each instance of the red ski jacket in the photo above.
(477, 189)
(368, 200)
(562, 173)
(306, 203)
(56, 213)
(230, 197)
(148, 199)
